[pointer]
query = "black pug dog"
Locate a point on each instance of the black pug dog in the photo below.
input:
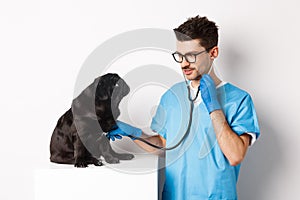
(78, 137)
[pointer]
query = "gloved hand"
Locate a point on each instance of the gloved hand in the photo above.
(209, 93)
(123, 129)
(113, 137)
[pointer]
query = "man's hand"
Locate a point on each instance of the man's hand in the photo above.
(209, 93)
(123, 129)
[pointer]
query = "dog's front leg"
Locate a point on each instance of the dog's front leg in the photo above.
(80, 153)
(107, 151)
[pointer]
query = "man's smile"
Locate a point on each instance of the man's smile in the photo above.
(188, 71)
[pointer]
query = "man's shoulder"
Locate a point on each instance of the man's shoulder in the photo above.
(175, 90)
(177, 87)
(234, 90)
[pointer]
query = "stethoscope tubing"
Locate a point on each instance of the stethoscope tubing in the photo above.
(189, 124)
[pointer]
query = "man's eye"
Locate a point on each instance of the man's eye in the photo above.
(189, 56)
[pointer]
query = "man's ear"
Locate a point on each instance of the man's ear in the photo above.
(214, 52)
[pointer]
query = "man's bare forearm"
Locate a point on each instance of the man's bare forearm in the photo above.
(233, 146)
(156, 140)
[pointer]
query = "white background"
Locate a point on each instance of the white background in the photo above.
(44, 43)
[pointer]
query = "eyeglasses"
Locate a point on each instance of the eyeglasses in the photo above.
(189, 57)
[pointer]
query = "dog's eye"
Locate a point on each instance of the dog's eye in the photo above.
(117, 85)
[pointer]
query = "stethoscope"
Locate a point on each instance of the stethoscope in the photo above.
(192, 100)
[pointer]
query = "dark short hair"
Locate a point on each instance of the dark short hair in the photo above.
(198, 28)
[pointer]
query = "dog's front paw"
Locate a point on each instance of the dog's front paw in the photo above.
(98, 163)
(81, 163)
(112, 160)
(95, 161)
(125, 156)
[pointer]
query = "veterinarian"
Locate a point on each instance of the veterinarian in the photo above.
(224, 122)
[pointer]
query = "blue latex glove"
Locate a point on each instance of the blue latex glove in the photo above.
(209, 93)
(123, 129)
(113, 137)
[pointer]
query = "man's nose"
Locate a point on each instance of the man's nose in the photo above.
(184, 63)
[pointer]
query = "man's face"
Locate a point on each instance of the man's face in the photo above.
(194, 71)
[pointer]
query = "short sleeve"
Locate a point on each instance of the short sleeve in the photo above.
(245, 119)
(159, 120)
(253, 138)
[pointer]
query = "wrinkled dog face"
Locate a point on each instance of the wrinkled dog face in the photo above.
(110, 88)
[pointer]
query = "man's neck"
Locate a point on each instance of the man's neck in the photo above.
(195, 83)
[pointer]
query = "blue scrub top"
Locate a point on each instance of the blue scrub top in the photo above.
(198, 169)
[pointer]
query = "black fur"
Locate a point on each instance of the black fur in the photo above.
(78, 137)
